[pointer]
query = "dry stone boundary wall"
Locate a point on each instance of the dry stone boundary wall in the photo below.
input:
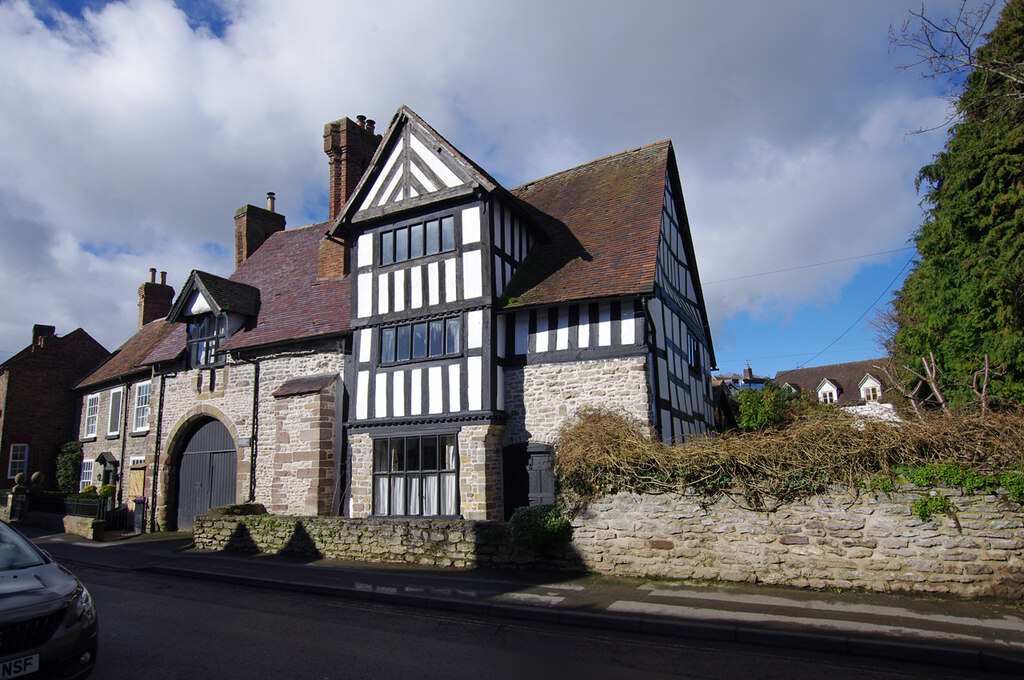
(838, 540)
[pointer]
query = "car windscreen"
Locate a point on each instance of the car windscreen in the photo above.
(16, 552)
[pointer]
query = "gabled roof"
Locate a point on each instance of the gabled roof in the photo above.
(388, 168)
(846, 377)
(604, 221)
(224, 295)
(77, 341)
(129, 358)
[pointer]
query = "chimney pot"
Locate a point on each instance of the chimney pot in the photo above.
(369, 126)
(163, 278)
(270, 200)
(361, 120)
(152, 274)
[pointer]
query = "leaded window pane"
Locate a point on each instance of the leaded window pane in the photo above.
(429, 450)
(414, 494)
(436, 338)
(430, 495)
(402, 343)
(447, 233)
(449, 493)
(451, 345)
(397, 455)
(387, 345)
(387, 247)
(419, 340)
(398, 495)
(401, 244)
(433, 237)
(416, 240)
(412, 454)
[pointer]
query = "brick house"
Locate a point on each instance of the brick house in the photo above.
(38, 410)
(416, 353)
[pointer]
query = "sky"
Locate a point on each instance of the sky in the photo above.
(130, 132)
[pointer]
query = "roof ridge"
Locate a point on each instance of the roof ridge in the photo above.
(525, 185)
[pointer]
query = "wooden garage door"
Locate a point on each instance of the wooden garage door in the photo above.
(206, 478)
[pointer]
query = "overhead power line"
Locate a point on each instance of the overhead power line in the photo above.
(808, 266)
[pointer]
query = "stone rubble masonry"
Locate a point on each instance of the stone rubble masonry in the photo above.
(840, 539)
(226, 393)
(539, 397)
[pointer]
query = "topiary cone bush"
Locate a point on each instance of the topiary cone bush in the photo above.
(536, 527)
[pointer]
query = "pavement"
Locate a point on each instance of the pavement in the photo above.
(985, 634)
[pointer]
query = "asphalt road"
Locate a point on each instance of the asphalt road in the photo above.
(156, 627)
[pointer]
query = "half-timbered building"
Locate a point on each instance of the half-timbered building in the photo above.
(418, 353)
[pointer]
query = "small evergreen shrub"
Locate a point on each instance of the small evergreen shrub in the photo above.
(107, 490)
(88, 491)
(926, 508)
(536, 527)
(69, 466)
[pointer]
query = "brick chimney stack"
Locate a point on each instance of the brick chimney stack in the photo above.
(253, 226)
(748, 373)
(155, 299)
(349, 146)
(40, 334)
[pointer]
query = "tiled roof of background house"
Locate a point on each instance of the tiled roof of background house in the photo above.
(846, 377)
(604, 221)
(129, 358)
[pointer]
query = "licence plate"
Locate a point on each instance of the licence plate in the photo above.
(18, 667)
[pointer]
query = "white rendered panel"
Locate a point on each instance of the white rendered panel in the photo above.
(362, 394)
(382, 293)
(364, 345)
(501, 389)
(416, 391)
(542, 331)
(474, 383)
(399, 290)
(450, 290)
(395, 155)
(391, 187)
(562, 334)
(522, 331)
(454, 388)
(434, 394)
(364, 304)
(380, 396)
(416, 287)
(364, 250)
(442, 171)
(604, 325)
(413, 193)
(475, 329)
(199, 305)
(501, 335)
(471, 225)
(398, 394)
(472, 274)
(583, 338)
(628, 324)
(433, 284)
(423, 179)
(399, 196)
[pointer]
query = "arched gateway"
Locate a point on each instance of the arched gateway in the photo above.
(206, 471)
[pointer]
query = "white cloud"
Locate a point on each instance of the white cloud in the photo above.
(128, 138)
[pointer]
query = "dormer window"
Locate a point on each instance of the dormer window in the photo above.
(827, 397)
(205, 335)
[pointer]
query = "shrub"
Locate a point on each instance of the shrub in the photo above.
(925, 508)
(69, 466)
(535, 527)
(107, 490)
(88, 491)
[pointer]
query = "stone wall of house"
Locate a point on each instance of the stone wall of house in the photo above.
(226, 393)
(303, 461)
(539, 397)
(480, 472)
(837, 540)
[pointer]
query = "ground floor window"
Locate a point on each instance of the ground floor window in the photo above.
(416, 475)
(18, 461)
(86, 478)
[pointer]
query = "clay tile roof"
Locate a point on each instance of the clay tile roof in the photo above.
(846, 377)
(130, 357)
(230, 296)
(294, 303)
(604, 221)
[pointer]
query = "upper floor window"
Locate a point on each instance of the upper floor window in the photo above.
(413, 341)
(416, 240)
(18, 461)
(141, 419)
(870, 393)
(827, 397)
(92, 411)
(693, 351)
(205, 335)
(114, 414)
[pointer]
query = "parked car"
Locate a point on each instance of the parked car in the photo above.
(48, 625)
